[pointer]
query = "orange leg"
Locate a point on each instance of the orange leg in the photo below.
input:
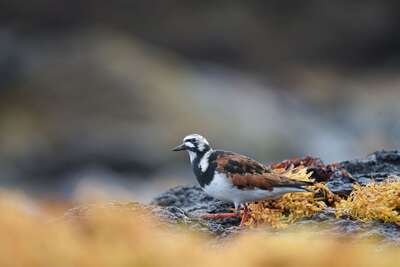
(245, 216)
(221, 215)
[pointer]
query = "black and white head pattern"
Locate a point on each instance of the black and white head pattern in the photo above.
(196, 145)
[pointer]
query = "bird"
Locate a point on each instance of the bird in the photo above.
(235, 178)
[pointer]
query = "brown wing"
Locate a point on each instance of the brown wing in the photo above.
(266, 181)
(234, 163)
(247, 173)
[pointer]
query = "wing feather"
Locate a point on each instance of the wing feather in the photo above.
(247, 173)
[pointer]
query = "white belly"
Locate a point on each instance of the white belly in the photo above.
(222, 188)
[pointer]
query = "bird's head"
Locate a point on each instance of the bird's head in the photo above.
(195, 144)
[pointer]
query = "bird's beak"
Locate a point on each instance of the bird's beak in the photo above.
(179, 148)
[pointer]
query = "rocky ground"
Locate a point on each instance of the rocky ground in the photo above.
(188, 203)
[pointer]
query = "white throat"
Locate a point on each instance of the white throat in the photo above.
(204, 163)
(192, 156)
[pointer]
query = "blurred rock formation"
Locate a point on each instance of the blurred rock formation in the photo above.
(99, 91)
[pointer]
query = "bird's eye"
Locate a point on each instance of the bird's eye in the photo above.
(191, 140)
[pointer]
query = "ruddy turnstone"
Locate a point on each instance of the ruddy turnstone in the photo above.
(232, 177)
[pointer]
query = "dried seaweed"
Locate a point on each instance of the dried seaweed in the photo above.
(293, 206)
(375, 201)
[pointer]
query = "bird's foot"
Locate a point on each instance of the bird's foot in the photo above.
(245, 216)
(221, 215)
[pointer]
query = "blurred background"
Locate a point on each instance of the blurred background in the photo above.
(94, 94)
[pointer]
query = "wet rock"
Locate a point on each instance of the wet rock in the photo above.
(376, 167)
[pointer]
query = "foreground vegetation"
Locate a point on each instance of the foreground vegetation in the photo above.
(113, 237)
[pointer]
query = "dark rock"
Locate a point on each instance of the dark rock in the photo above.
(195, 202)
(377, 167)
(380, 164)
(340, 184)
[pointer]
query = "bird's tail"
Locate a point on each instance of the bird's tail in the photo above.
(301, 185)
